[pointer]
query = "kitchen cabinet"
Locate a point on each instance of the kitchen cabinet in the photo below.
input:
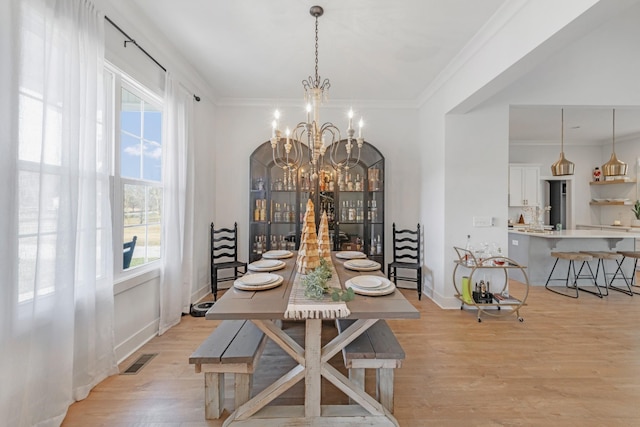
(353, 200)
(524, 184)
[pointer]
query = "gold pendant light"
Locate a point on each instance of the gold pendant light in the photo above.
(562, 166)
(614, 167)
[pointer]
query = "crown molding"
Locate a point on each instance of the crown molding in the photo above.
(496, 23)
(331, 104)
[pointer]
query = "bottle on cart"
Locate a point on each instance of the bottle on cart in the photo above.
(379, 245)
(467, 254)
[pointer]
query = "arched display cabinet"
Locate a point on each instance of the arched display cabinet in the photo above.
(354, 202)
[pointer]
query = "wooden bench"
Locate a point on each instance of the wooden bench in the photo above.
(233, 348)
(379, 349)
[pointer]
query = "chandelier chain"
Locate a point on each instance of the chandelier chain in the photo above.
(317, 78)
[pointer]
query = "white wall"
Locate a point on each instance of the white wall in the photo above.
(594, 70)
(241, 129)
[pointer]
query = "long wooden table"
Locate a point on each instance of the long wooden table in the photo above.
(263, 308)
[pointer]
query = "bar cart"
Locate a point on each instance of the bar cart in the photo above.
(490, 299)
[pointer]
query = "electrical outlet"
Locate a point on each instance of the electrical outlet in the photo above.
(482, 221)
(514, 242)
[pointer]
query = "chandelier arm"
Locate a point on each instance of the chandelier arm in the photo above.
(277, 156)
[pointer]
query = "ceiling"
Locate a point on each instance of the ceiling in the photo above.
(583, 125)
(372, 50)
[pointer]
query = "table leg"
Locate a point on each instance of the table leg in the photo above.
(312, 356)
(313, 364)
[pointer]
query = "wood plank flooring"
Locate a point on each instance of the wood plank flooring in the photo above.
(572, 362)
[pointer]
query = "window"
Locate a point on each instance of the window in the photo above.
(137, 166)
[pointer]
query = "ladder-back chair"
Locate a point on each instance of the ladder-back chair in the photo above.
(406, 256)
(224, 255)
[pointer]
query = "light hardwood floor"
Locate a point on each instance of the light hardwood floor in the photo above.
(572, 362)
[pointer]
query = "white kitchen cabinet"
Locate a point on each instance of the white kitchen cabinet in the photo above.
(524, 184)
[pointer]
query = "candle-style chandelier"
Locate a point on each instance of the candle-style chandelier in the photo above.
(289, 152)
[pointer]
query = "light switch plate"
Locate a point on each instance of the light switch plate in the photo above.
(482, 221)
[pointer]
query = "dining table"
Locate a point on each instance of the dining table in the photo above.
(269, 307)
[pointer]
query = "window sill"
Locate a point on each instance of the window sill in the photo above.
(131, 279)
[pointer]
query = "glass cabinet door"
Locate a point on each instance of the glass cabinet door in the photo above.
(375, 211)
(352, 210)
(258, 201)
(283, 209)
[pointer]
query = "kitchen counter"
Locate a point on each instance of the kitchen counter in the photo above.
(534, 249)
(626, 228)
(576, 234)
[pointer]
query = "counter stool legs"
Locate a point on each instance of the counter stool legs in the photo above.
(600, 264)
(630, 282)
(572, 257)
(619, 275)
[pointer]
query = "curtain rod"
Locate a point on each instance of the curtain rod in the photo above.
(130, 40)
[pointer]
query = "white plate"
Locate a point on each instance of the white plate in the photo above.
(239, 285)
(266, 263)
(277, 254)
(362, 263)
(258, 279)
(367, 281)
(352, 265)
(387, 288)
(350, 255)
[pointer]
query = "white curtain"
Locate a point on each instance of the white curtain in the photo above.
(56, 303)
(177, 228)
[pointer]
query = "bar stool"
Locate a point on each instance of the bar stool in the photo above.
(603, 256)
(629, 281)
(572, 257)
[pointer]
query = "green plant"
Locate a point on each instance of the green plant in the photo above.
(315, 285)
(636, 209)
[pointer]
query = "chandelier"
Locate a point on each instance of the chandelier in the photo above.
(289, 152)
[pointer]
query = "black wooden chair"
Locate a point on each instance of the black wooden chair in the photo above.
(406, 255)
(224, 255)
(127, 252)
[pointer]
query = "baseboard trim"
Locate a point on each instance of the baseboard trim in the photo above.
(137, 340)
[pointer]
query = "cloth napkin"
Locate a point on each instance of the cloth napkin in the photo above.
(301, 307)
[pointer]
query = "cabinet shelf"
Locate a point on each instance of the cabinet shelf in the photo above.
(614, 203)
(614, 181)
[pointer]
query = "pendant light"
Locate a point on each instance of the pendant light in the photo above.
(562, 166)
(614, 167)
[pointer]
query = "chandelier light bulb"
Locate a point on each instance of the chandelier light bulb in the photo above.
(360, 124)
(350, 117)
(308, 113)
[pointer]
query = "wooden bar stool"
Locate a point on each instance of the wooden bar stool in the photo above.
(572, 257)
(629, 281)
